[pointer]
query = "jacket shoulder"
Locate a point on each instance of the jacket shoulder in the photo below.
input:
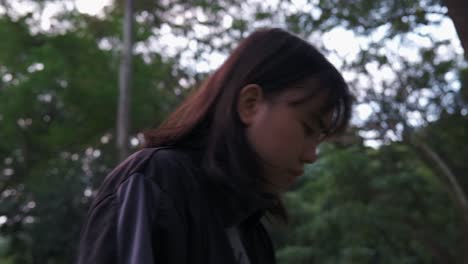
(170, 168)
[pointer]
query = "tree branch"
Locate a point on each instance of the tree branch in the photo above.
(440, 166)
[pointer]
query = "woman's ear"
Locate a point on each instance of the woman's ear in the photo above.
(250, 98)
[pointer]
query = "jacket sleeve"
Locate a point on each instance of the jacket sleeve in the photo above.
(134, 220)
(119, 228)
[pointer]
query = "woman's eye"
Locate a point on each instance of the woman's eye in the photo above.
(317, 134)
(307, 129)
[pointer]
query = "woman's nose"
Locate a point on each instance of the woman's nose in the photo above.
(309, 155)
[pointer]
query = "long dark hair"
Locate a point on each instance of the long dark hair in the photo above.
(273, 59)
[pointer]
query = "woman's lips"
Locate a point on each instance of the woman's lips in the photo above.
(297, 173)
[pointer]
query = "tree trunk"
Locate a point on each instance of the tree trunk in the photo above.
(458, 12)
(125, 77)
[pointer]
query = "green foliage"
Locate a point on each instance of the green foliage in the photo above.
(362, 205)
(56, 108)
(366, 16)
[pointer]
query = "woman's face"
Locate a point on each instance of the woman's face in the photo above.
(285, 136)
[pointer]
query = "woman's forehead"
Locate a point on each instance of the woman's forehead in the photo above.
(314, 100)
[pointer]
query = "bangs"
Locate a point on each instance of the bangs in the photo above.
(337, 100)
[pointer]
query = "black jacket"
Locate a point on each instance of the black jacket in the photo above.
(155, 208)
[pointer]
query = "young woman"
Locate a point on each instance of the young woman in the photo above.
(198, 189)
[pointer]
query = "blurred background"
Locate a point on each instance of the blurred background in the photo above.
(80, 79)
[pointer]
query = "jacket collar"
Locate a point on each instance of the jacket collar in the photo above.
(234, 210)
(229, 202)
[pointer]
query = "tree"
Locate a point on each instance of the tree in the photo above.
(125, 79)
(415, 91)
(360, 205)
(57, 108)
(457, 10)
